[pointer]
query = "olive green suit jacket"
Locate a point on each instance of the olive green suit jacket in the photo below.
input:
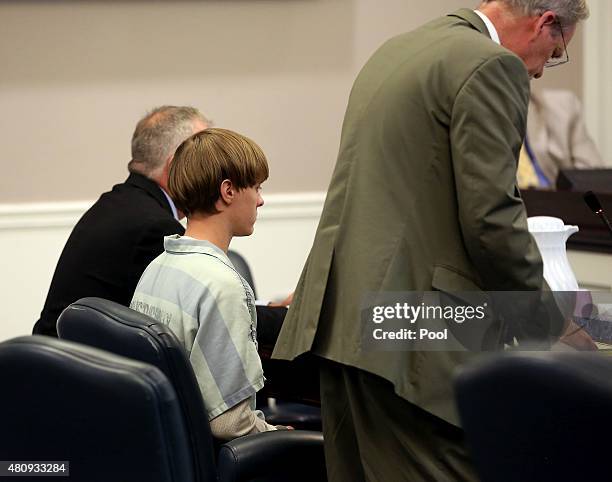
(423, 197)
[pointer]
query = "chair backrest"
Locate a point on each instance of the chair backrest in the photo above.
(538, 416)
(241, 265)
(118, 329)
(109, 417)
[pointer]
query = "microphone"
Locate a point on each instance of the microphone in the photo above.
(594, 205)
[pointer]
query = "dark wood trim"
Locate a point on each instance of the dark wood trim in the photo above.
(570, 206)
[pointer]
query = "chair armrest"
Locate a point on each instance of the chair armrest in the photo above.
(277, 455)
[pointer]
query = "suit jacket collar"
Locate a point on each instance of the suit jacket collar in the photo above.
(151, 188)
(472, 18)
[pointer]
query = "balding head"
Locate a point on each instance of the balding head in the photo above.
(538, 31)
(569, 12)
(158, 134)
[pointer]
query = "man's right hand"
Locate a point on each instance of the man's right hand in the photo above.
(576, 337)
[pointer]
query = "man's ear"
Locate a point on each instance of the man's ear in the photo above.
(227, 191)
(547, 19)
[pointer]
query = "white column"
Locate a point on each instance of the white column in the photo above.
(598, 75)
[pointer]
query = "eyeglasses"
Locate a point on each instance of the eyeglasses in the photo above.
(562, 57)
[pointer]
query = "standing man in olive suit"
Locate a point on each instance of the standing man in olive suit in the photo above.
(423, 197)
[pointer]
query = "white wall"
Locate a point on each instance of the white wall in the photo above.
(32, 237)
(75, 75)
(598, 75)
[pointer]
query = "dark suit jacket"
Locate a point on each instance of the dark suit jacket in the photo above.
(110, 247)
(423, 197)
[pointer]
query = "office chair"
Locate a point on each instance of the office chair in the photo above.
(107, 417)
(538, 417)
(119, 329)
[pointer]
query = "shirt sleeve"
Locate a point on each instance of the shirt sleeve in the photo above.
(238, 421)
(224, 354)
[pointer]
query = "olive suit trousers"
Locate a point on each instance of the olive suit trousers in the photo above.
(373, 435)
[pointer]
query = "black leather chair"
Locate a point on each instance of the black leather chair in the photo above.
(118, 329)
(538, 417)
(109, 417)
(241, 461)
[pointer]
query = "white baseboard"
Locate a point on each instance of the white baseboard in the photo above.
(41, 215)
(32, 237)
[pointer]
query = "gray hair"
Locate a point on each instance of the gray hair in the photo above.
(158, 134)
(569, 12)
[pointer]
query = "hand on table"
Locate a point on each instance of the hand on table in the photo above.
(286, 302)
(576, 337)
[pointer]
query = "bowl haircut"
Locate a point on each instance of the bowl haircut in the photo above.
(204, 160)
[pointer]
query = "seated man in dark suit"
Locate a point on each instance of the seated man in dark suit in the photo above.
(117, 238)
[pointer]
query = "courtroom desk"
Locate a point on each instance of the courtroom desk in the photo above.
(295, 381)
(590, 249)
(604, 347)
